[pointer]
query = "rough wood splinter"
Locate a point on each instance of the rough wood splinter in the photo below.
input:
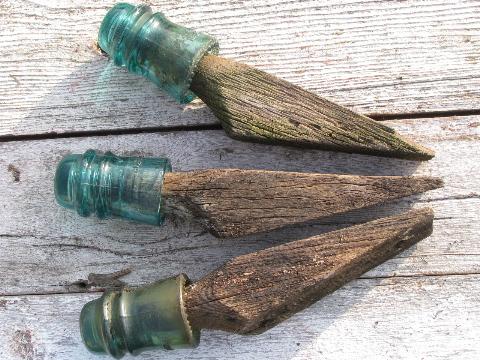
(248, 294)
(228, 202)
(251, 104)
(234, 202)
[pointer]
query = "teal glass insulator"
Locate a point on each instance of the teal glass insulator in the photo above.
(133, 320)
(150, 45)
(109, 185)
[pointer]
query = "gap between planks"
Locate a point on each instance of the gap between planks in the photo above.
(363, 278)
(168, 129)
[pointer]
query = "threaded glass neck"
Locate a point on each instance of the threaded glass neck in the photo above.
(150, 45)
(133, 320)
(109, 185)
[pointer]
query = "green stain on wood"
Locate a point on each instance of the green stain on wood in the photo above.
(255, 106)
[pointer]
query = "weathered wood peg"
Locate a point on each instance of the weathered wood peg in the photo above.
(250, 104)
(227, 202)
(250, 293)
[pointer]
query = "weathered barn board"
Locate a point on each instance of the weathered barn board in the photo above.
(402, 318)
(379, 57)
(59, 247)
(391, 58)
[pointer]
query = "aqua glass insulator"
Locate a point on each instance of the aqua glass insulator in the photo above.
(150, 45)
(109, 185)
(136, 319)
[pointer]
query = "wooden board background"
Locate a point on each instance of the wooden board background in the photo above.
(414, 64)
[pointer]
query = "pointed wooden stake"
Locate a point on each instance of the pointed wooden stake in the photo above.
(251, 293)
(255, 106)
(233, 202)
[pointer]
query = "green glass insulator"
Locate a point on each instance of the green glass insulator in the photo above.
(150, 45)
(109, 185)
(134, 320)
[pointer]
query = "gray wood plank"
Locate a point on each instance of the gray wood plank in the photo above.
(398, 318)
(375, 56)
(46, 249)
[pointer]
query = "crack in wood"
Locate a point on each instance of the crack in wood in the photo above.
(409, 277)
(89, 247)
(207, 127)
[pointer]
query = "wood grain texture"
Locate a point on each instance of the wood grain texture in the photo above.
(59, 249)
(255, 106)
(254, 292)
(235, 202)
(375, 57)
(433, 317)
(412, 306)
